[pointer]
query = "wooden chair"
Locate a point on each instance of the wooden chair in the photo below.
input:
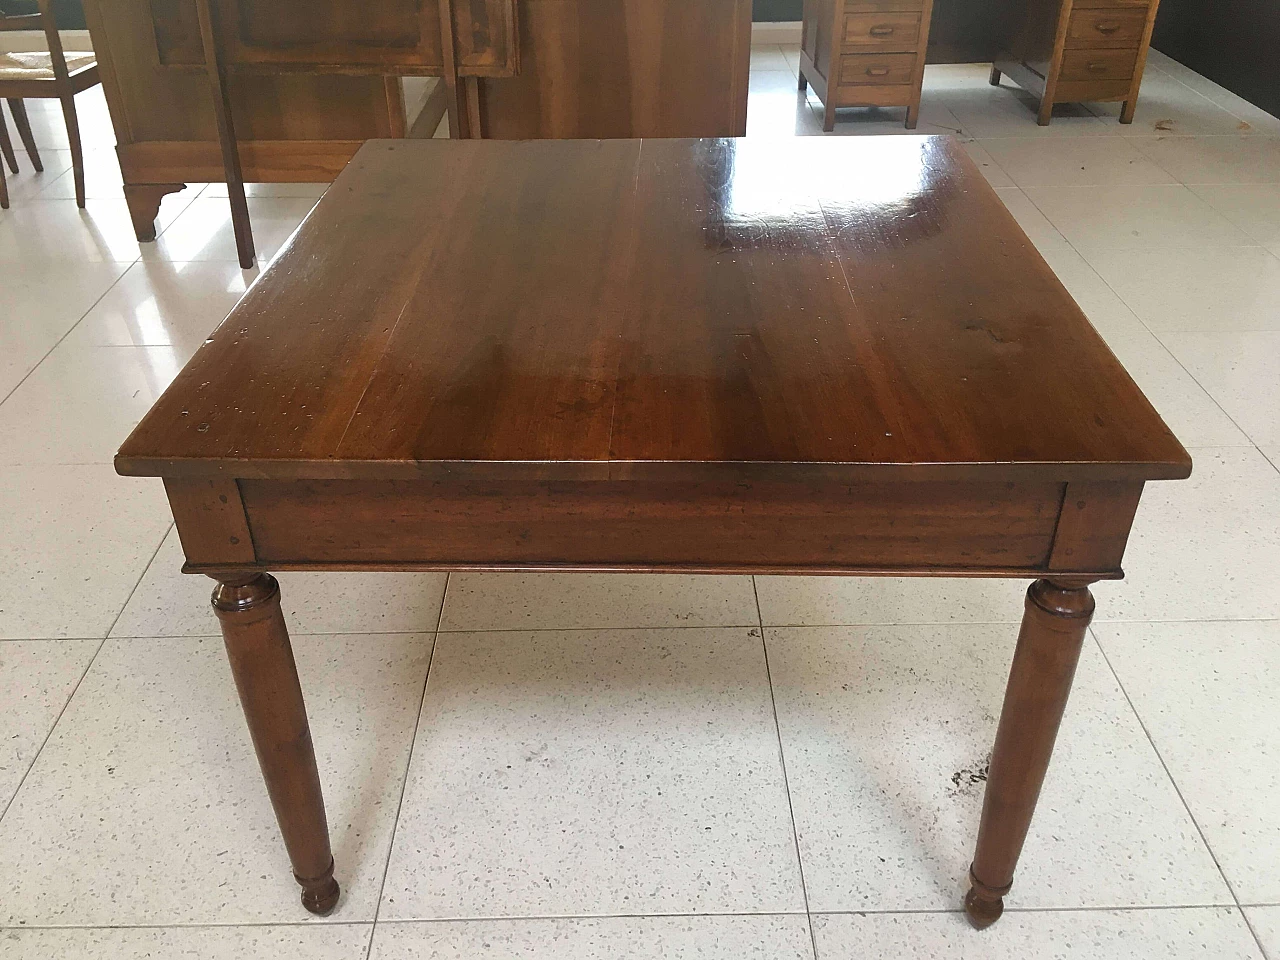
(43, 75)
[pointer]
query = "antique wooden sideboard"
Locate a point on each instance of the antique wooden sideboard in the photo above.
(287, 90)
(860, 53)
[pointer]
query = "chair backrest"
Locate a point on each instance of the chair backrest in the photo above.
(46, 21)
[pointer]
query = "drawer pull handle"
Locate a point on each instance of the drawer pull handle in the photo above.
(1097, 66)
(1107, 26)
(882, 31)
(877, 71)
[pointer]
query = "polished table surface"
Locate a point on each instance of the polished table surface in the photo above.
(799, 356)
(664, 309)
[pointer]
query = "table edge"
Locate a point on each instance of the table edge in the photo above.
(652, 470)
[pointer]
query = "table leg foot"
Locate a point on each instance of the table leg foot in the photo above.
(320, 894)
(983, 905)
(1044, 664)
(267, 680)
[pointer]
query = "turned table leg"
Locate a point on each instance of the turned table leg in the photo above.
(267, 680)
(1044, 663)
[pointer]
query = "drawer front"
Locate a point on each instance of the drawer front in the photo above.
(643, 525)
(879, 69)
(883, 31)
(1106, 27)
(1081, 91)
(1128, 4)
(1098, 64)
(883, 6)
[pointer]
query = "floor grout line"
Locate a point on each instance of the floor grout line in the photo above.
(1138, 316)
(786, 782)
(536, 918)
(658, 628)
(53, 726)
(129, 265)
(408, 765)
(101, 643)
(1178, 790)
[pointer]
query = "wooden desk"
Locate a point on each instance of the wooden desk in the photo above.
(665, 356)
(860, 53)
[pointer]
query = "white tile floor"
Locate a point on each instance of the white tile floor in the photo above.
(642, 766)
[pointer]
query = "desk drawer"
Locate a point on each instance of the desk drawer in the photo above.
(1127, 4)
(883, 31)
(878, 69)
(1120, 27)
(1098, 64)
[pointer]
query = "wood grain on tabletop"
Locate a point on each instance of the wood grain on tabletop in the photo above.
(658, 308)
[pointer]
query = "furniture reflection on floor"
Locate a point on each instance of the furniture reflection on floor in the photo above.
(657, 356)
(51, 74)
(860, 53)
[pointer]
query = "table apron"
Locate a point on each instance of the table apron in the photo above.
(965, 528)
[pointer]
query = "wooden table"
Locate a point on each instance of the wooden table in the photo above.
(813, 356)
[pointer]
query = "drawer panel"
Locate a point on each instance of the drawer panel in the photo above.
(1079, 91)
(882, 6)
(1106, 27)
(1098, 64)
(883, 31)
(639, 525)
(879, 69)
(1092, 4)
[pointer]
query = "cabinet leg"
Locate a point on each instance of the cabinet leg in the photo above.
(994, 79)
(828, 115)
(1044, 664)
(262, 663)
(144, 206)
(1127, 111)
(913, 115)
(1046, 112)
(804, 84)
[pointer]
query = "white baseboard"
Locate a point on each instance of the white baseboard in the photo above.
(23, 40)
(785, 32)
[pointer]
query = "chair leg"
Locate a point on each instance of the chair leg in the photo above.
(20, 120)
(226, 137)
(6, 145)
(4, 189)
(73, 138)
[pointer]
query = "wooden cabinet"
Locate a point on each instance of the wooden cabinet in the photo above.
(865, 54)
(306, 83)
(623, 68)
(1065, 51)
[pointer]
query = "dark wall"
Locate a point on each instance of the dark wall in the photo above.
(69, 13)
(1235, 43)
(775, 10)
